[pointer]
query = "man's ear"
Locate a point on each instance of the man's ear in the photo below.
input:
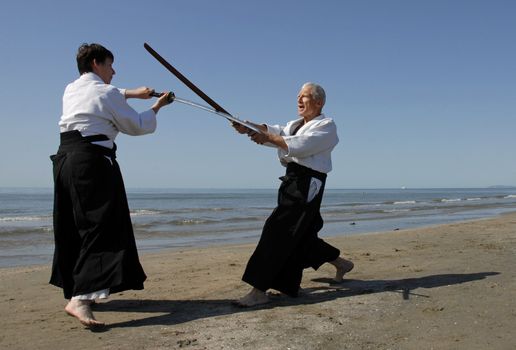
(94, 65)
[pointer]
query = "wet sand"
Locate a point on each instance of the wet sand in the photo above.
(443, 287)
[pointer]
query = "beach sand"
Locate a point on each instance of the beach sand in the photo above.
(444, 287)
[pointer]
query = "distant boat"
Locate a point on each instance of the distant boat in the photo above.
(403, 188)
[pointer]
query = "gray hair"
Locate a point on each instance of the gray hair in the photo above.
(317, 91)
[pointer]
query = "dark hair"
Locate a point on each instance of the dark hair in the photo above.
(89, 52)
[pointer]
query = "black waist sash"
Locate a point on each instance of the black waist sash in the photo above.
(295, 169)
(73, 140)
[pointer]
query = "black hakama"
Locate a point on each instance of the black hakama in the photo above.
(289, 241)
(95, 247)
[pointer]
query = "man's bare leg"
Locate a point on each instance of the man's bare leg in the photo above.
(254, 297)
(82, 311)
(343, 266)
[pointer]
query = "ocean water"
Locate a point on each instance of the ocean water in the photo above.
(176, 218)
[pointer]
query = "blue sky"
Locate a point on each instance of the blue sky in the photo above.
(423, 92)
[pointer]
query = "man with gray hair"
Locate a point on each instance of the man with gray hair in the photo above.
(289, 241)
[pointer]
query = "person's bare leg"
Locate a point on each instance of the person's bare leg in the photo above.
(82, 311)
(254, 297)
(343, 266)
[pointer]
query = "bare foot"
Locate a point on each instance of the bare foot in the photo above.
(343, 266)
(82, 311)
(253, 298)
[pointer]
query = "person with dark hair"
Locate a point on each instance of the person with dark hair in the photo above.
(95, 249)
(87, 53)
(289, 241)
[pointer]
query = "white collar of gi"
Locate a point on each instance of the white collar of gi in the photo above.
(298, 123)
(319, 117)
(92, 77)
(301, 120)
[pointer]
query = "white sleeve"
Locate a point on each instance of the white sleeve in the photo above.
(273, 129)
(315, 140)
(126, 119)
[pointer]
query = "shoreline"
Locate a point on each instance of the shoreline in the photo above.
(440, 287)
(154, 245)
(164, 219)
(150, 253)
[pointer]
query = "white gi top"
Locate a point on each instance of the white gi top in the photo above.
(93, 107)
(311, 146)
